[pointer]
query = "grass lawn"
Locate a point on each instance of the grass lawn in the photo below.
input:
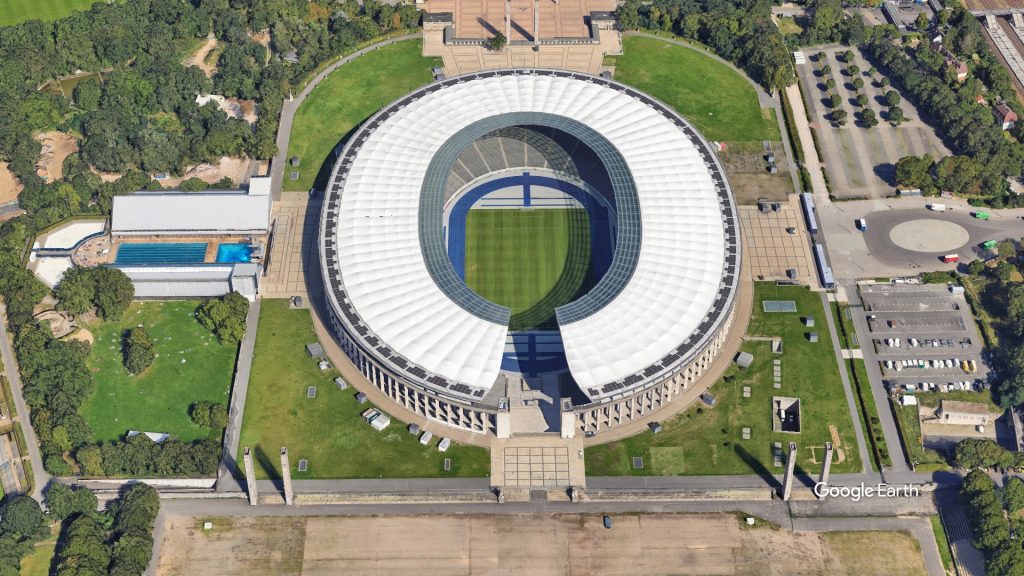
(157, 400)
(716, 99)
(15, 11)
(531, 261)
(943, 542)
(874, 553)
(869, 420)
(705, 440)
(327, 430)
(348, 96)
(921, 458)
(38, 562)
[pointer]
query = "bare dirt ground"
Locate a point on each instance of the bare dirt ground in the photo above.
(199, 58)
(747, 169)
(524, 544)
(56, 147)
(235, 168)
(10, 187)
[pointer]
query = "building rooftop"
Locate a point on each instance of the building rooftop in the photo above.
(482, 18)
(963, 407)
(175, 212)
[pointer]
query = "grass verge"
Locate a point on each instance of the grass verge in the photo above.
(945, 552)
(704, 440)
(327, 430)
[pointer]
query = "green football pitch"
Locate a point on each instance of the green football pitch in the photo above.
(530, 260)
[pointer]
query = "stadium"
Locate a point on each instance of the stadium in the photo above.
(523, 228)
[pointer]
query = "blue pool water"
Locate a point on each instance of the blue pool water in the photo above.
(162, 253)
(234, 253)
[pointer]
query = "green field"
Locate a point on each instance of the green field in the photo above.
(14, 11)
(715, 98)
(327, 430)
(38, 562)
(344, 99)
(531, 261)
(191, 365)
(705, 440)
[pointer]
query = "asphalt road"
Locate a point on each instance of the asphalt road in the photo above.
(40, 477)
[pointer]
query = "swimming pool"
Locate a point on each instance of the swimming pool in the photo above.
(234, 252)
(161, 253)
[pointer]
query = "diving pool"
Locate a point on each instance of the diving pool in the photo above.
(234, 252)
(161, 253)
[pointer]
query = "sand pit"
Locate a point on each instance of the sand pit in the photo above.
(235, 168)
(56, 147)
(200, 58)
(10, 186)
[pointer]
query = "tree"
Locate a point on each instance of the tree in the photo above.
(1013, 494)
(76, 290)
(1004, 271)
(914, 171)
(981, 453)
(922, 21)
(839, 116)
(883, 81)
(869, 118)
(225, 316)
(976, 267)
(629, 15)
(858, 83)
(87, 94)
(835, 101)
(896, 115)
(114, 292)
(497, 42)
(64, 502)
(21, 517)
(871, 71)
(826, 70)
(892, 98)
(862, 100)
(209, 415)
(830, 84)
(137, 350)
(853, 69)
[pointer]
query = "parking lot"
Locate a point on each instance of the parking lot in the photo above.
(923, 338)
(860, 162)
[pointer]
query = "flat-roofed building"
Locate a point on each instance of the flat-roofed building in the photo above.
(963, 413)
(174, 213)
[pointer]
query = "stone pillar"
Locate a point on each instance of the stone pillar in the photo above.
(568, 425)
(787, 482)
(536, 24)
(508, 22)
(286, 474)
(250, 476)
(823, 479)
(1018, 20)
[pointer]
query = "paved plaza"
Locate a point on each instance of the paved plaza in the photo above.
(770, 248)
(292, 246)
(537, 461)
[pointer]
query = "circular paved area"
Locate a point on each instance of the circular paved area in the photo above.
(929, 235)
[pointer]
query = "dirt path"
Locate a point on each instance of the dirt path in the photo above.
(198, 58)
(10, 187)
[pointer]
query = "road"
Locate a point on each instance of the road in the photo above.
(232, 434)
(39, 476)
(810, 154)
(284, 130)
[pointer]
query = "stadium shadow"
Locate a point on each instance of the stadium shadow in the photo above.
(323, 176)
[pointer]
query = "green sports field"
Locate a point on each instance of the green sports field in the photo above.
(530, 260)
(14, 11)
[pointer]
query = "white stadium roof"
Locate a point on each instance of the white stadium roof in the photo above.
(677, 273)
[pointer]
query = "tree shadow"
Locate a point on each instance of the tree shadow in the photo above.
(487, 26)
(887, 172)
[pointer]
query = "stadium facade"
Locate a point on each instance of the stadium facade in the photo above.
(649, 328)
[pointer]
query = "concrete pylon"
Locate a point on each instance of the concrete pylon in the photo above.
(508, 21)
(250, 476)
(1018, 20)
(787, 482)
(286, 474)
(823, 479)
(536, 24)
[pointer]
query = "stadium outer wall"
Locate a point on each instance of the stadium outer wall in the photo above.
(598, 418)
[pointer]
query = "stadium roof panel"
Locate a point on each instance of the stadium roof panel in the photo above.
(374, 241)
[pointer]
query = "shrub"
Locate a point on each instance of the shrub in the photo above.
(138, 350)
